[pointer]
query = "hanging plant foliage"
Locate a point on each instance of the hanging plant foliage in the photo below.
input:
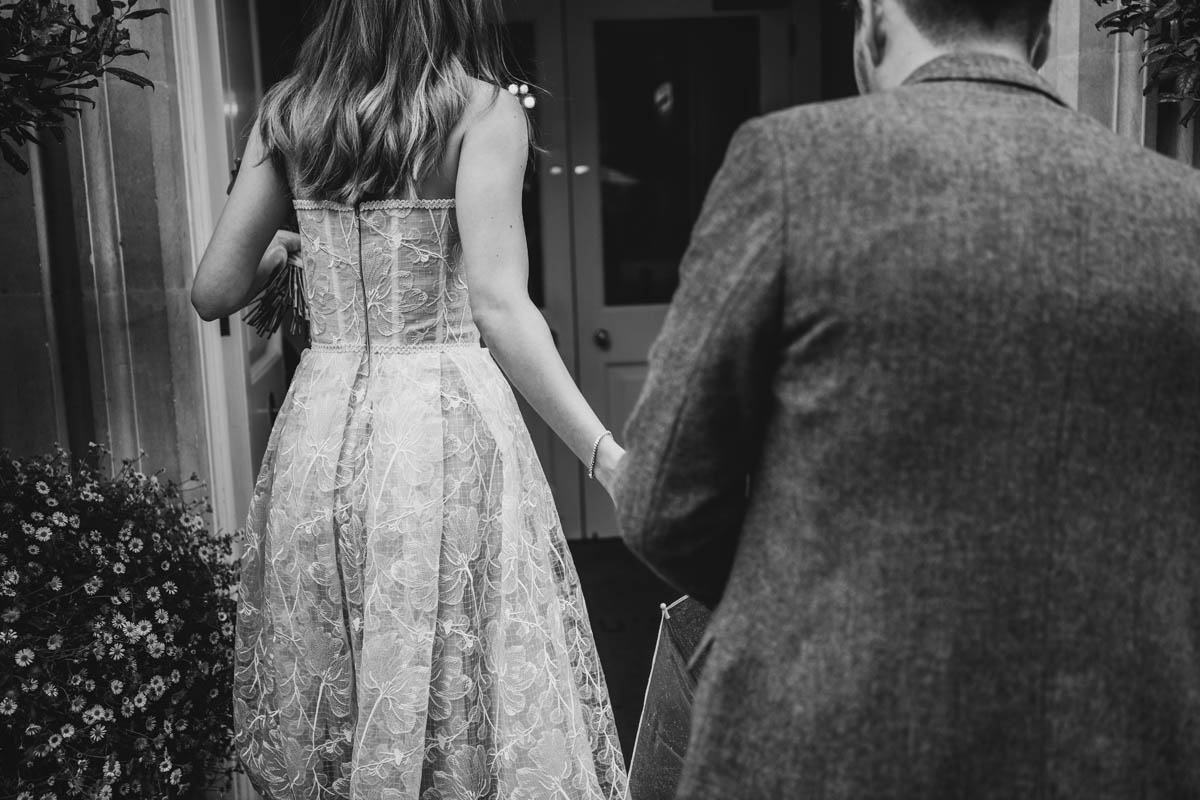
(49, 58)
(1172, 54)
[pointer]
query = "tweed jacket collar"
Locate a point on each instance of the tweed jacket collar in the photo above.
(984, 68)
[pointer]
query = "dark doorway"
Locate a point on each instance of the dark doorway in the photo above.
(282, 26)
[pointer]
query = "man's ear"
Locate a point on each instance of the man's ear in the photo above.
(1040, 50)
(876, 38)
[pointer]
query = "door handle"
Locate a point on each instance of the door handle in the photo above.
(602, 339)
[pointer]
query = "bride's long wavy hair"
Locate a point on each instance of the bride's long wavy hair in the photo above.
(378, 87)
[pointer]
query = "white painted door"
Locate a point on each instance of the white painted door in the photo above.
(634, 114)
(657, 89)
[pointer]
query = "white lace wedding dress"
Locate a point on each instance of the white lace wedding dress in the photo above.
(410, 623)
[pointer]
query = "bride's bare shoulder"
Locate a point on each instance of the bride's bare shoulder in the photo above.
(495, 110)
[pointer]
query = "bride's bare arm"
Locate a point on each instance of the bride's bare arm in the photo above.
(234, 267)
(490, 175)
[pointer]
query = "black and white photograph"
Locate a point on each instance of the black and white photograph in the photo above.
(599, 400)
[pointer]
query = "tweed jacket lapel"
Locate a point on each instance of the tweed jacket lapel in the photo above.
(984, 68)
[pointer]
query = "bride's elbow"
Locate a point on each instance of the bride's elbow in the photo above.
(207, 305)
(492, 316)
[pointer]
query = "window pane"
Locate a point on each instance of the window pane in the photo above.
(671, 93)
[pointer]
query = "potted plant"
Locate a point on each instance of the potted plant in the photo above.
(49, 57)
(116, 635)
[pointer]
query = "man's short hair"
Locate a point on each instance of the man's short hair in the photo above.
(946, 19)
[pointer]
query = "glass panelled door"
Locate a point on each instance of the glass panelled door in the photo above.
(635, 103)
(657, 89)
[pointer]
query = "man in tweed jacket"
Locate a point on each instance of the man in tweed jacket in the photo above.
(923, 426)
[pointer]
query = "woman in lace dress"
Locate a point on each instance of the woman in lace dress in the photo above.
(410, 622)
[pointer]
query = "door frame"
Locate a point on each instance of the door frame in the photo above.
(202, 109)
(196, 37)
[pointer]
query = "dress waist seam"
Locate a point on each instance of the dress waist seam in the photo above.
(393, 349)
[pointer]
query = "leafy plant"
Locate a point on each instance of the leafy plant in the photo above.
(1172, 55)
(116, 635)
(49, 58)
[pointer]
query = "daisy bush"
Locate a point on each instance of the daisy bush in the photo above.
(116, 635)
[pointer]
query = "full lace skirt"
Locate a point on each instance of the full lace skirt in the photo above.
(410, 622)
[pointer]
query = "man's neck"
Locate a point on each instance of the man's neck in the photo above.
(907, 57)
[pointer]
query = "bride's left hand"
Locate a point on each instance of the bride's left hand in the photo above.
(609, 464)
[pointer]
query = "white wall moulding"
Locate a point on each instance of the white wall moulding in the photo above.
(203, 145)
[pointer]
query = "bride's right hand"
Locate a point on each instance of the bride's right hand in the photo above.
(282, 245)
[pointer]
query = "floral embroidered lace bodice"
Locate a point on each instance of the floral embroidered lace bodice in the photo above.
(410, 624)
(389, 275)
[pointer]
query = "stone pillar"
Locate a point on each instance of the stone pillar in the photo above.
(1101, 75)
(94, 293)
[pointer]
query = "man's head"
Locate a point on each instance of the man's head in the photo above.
(894, 37)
